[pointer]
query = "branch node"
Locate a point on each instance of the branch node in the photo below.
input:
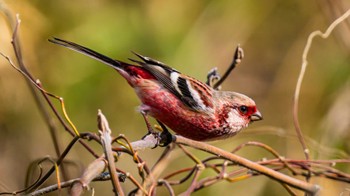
(200, 166)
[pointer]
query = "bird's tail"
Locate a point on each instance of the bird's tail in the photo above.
(91, 53)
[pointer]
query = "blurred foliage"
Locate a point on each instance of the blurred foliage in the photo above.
(191, 36)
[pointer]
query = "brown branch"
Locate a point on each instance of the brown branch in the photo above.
(79, 184)
(199, 169)
(190, 171)
(268, 148)
(141, 165)
(52, 188)
(149, 141)
(14, 23)
(32, 83)
(237, 59)
(90, 173)
(301, 77)
(58, 163)
(157, 169)
(190, 155)
(309, 188)
(106, 141)
(302, 73)
(168, 186)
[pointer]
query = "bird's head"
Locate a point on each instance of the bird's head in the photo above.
(241, 110)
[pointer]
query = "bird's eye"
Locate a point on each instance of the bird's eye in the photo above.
(243, 109)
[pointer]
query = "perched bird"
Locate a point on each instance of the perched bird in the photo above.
(186, 105)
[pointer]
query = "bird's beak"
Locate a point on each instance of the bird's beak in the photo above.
(256, 116)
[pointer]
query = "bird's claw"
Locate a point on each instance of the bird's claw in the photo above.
(164, 138)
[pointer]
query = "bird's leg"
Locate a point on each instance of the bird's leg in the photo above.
(165, 136)
(155, 134)
(143, 110)
(149, 126)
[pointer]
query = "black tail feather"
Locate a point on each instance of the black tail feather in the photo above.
(86, 51)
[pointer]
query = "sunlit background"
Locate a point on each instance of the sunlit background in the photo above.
(193, 37)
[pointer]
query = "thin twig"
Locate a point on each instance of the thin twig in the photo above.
(141, 166)
(45, 93)
(268, 148)
(301, 77)
(52, 188)
(168, 186)
(44, 112)
(58, 162)
(157, 169)
(237, 59)
(68, 184)
(302, 73)
(136, 183)
(189, 154)
(183, 170)
(198, 171)
(30, 80)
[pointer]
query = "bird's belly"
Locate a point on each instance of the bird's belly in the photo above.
(167, 108)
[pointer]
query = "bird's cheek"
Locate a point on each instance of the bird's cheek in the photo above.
(235, 119)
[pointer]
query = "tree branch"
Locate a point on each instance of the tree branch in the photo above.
(301, 185)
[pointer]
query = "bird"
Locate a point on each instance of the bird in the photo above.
(187, 106)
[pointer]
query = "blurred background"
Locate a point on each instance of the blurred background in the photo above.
(193, 37)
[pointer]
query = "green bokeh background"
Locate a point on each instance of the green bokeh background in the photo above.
(191, 36)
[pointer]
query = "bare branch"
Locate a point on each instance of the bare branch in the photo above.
(90, 173)
(237, 59)
(302, 73)
(106, 141)
(32, 83)
(309, 188)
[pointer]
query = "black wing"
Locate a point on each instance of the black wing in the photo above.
(177, 83)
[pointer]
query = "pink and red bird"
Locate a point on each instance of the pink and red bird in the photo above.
(186, 105)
